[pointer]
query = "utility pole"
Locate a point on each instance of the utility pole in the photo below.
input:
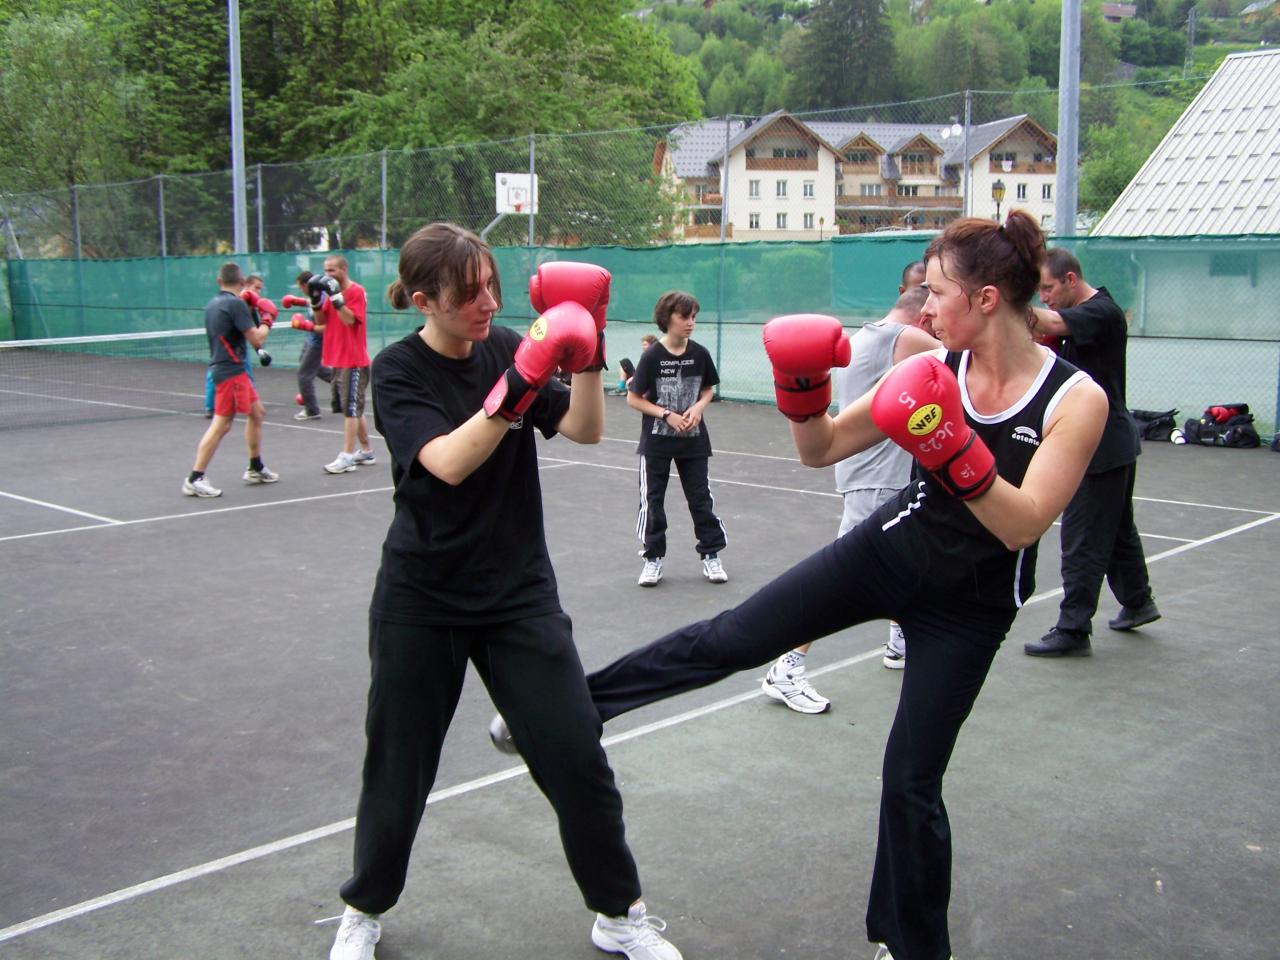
(1064, 210)
(240, 215)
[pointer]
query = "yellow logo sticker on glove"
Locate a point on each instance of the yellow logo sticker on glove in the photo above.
(538, 330)
(925, 420)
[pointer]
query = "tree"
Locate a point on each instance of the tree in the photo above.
(847, 56)
(69, 115)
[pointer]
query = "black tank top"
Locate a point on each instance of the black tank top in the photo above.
(939, 538)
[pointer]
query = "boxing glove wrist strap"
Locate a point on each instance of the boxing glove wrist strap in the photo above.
(970, 472)
(511, 396)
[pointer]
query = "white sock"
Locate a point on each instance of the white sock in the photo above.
(790, 664)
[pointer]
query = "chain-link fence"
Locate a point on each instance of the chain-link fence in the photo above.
(841, 200)
(911, 164)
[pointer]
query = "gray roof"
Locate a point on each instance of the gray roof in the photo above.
(697, 147)
(1217, 170)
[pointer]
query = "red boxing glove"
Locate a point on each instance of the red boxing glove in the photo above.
(803, 347)
(268, 311)
(564, 336)
(299, 322)
(290, 300)
(249, 297)
(918, 407)
(584, 283)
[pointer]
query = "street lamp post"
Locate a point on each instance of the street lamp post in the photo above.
(997, 194)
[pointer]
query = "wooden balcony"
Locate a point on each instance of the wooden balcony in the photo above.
(706, 231)
(997, 167)
(900, 203)
(782, 163)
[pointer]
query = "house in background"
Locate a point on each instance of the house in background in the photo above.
(781, 178)
(1216, 174)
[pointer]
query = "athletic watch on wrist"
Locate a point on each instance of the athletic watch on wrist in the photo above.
(665, 414)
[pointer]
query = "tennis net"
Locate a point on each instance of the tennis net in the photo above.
(110, 377)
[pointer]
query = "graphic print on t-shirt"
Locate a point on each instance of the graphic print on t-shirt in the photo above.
(677, 391)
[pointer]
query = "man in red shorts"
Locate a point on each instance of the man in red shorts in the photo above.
(231, 331)
(344, 305)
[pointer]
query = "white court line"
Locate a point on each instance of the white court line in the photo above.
(195, 513)
(107, 521)
(329, 830)
(255, 853)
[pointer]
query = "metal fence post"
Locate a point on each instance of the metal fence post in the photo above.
(258, 203)
(967, 205)
(533, 172)
(164, 242)
(382, 233)
(75, 232)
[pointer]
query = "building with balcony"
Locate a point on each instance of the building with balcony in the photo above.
(782, 178)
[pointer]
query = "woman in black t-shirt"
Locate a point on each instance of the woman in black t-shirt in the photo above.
(1001, 430)
(465, 576)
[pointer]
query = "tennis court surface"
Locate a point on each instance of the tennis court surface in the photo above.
(182, 690)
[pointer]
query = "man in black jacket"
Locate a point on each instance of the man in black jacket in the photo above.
(1099, 537)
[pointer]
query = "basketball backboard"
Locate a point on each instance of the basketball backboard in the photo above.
(515, 193)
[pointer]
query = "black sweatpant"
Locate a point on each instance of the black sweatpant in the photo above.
(651, 524)
(953, 642)
(532, 671)
(1100, 539)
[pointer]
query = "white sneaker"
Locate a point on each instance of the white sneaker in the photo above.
(303, 415)
(636, 936)
(200, 488)
(651, 573)
(794, 690)
(363, 458)
(713, 570)
(344, 464)
(501, 735)
(260, 476)
(357, 935)
(882, 953)
(895, 651)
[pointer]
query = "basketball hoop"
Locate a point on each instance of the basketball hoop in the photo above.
(517, 205)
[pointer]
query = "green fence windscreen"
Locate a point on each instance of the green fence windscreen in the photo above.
(1203, 324)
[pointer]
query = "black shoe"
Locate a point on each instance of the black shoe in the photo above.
(1060, 643)
(1129, 617)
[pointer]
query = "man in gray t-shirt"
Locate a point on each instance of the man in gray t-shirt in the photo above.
(866, 479)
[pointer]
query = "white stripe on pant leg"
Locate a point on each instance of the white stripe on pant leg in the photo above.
(642, 516)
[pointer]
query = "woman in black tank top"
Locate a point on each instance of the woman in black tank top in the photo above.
(952, 571)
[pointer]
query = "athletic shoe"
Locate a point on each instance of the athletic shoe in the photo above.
(712, 569)
(895, 651)
(208, 414)
(1060, 643)
(637, 936)
(303, 415)
(794, 690)
(357, 935)
(364, 458)
(264, 475)
(500, 735)
(200, 488)
(1130, 617)
(344, 464)
(651, 573)
(882, 953)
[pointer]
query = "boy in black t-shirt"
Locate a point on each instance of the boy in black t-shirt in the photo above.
(671, 388)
